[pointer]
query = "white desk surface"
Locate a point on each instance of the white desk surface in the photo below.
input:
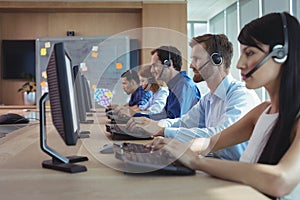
(22, 177)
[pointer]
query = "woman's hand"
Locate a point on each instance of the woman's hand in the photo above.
(177, 149)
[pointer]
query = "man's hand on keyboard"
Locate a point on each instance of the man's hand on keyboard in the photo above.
(144, 125)
(126, 112)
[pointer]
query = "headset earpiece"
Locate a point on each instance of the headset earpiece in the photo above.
(280, 54)
(216, 58)
(281, 51)
(167, 63)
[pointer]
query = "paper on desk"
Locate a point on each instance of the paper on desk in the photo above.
(103, 96)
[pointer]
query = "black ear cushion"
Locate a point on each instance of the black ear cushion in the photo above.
(216, 59)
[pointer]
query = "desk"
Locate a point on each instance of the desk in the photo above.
(22, 177)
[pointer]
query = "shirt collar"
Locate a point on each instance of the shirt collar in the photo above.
(223, 87)
(174, 81)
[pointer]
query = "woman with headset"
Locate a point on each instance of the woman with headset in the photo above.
(270, 49)
(159, 91)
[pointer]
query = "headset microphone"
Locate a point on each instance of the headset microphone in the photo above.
(150, 82)
(161, 73)
(203, 65)
(279, 53)
(261, 63)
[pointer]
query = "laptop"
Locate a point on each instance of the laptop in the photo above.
(139, 159)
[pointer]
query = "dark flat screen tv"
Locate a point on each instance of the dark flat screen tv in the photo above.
(18, 58)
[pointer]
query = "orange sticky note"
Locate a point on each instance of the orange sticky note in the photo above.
(43, 84)
(94, 54)
(119, 65)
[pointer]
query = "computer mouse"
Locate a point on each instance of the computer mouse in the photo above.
(13, 118)
(107, 148)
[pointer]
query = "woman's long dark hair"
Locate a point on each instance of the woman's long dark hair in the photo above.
(269, 30)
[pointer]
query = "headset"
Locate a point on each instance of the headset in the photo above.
(216, 58)
(167, 63)
(279, 53)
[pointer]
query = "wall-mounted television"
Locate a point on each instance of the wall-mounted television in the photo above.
(18, 58)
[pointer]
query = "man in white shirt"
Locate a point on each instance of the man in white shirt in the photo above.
(228, 99)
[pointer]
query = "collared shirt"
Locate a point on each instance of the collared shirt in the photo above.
(192, 84)
(157, 102)
(139, 97)
(181, 99)
(213, 113)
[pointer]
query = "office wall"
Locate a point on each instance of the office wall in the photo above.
(31, 20)
(226, 22)
(172, 20)
(274, 6)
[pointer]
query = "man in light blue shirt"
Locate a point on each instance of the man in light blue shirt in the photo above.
(228, 99)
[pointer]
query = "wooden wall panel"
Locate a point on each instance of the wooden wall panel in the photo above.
(172, 20)
(36, 19)
(35, 25)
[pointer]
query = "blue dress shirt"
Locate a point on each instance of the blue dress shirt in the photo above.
(213, 113)
(181, 99)
(139, 97)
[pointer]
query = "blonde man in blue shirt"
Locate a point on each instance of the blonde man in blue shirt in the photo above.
(228, 99)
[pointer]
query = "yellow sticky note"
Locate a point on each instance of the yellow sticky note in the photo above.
(43, 51)
(47, 45)
(94, 54)
(119, 65)
(108, 94)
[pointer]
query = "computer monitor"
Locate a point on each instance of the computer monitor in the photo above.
(87, 95)
(80, 96)
(63, 111)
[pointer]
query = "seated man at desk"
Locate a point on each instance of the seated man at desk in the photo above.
(227, 101)
(131, 85)
(183, 92)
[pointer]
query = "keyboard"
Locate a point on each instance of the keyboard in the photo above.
(140, 159)
(118, 132)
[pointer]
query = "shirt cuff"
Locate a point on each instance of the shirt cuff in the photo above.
(170, 132)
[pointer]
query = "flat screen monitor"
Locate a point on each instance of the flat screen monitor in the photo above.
(87, 94)
(63, 109)
(18, 59)
(80, 95)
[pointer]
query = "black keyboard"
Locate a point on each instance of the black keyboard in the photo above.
(118, 132)
(140, 159)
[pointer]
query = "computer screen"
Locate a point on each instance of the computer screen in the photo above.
(63, 106)
(62, 95)
(87, 94)
(80, 97)
(79, 87)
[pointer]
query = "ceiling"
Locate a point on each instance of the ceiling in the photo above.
(203, 10)
(198, 10)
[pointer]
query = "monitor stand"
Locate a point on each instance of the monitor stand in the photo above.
(58, 161)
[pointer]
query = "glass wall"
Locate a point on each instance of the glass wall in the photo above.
(196, 28)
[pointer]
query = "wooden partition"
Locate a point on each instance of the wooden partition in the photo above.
(31, 20)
